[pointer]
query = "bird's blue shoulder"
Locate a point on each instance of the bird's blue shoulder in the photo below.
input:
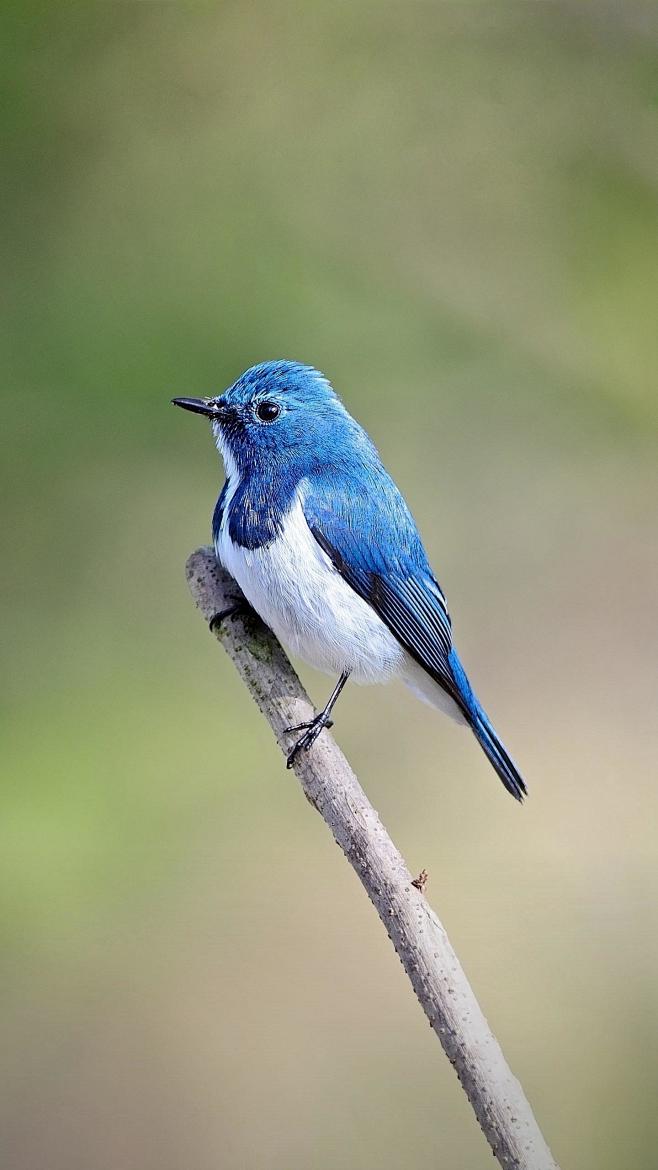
(359, 509)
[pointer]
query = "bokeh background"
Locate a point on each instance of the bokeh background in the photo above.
(451, 210)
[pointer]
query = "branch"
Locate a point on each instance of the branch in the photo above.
(420, 940)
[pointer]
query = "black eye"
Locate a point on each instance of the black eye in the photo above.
(268, 411)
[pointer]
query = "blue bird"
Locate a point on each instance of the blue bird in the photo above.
(324, 548)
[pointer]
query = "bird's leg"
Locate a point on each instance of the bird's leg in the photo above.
(241, 606)
(313, 728)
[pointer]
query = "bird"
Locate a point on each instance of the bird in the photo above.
(324, 548)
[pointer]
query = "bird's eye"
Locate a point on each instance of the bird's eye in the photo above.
(268, 411)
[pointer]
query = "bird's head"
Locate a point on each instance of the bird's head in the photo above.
(277, 410)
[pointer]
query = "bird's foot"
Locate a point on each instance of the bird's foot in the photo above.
(311, 731)
(217, 619)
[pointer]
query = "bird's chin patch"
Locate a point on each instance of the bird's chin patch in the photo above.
(222, 444)
(219, 435)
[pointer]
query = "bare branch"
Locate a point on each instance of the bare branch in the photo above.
(420, 940)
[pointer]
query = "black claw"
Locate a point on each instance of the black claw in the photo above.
(311, 733)
(314, 726)
(306, 726)
(217, 618)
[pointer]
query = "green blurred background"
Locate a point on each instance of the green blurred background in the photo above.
(451, 210)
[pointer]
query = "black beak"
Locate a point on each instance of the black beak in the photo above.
(199, 406)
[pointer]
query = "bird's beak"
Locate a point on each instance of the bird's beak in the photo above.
(199, 406)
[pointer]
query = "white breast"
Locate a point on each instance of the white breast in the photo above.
(294, 587)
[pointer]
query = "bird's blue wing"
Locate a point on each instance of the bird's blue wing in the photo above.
(368, 533)
(366, 530)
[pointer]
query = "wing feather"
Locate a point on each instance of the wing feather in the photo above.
(383, 560)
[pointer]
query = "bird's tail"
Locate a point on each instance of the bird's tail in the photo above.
(485, 733)
(498, 755)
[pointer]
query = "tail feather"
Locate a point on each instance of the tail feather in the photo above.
(497, 753)
(485, 733)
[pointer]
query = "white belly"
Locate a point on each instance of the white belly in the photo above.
(294, 587)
